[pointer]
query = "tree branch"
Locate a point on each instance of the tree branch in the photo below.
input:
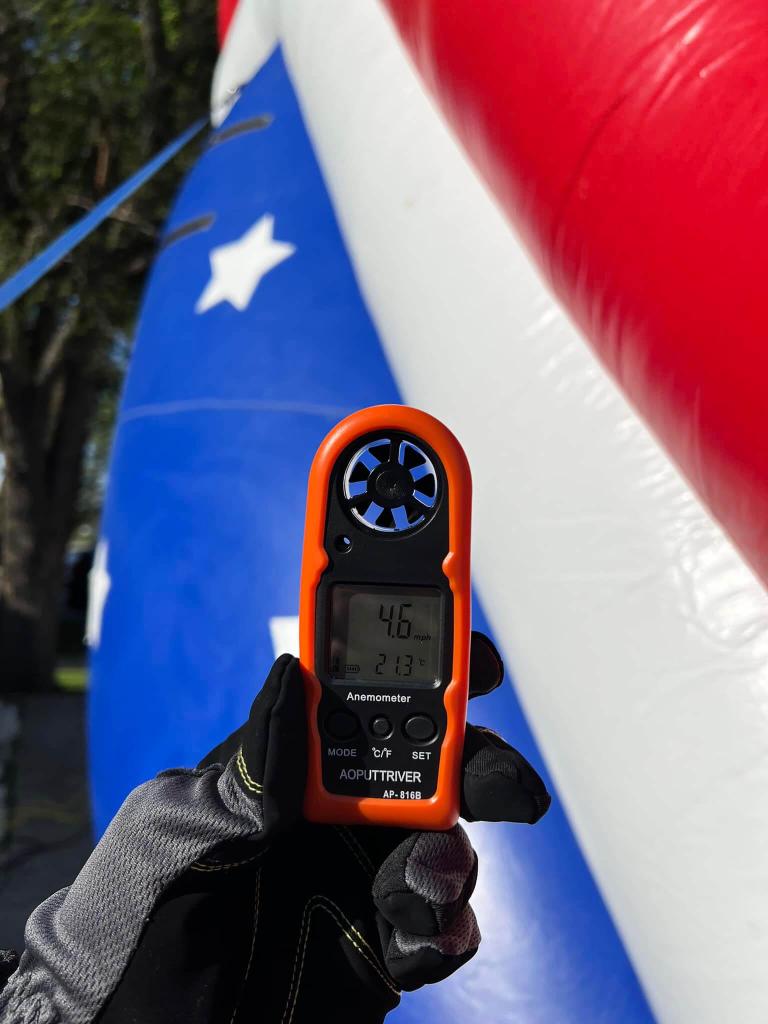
(53, 353)
(64, 458)
(123, 215)
(156, 61)
(8, 334)
(153, 38)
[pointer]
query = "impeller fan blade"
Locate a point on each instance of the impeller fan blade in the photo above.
(425, 500)
(368, 459)
(372, 514)
(420, 471)
(400, 517)
(356, 488)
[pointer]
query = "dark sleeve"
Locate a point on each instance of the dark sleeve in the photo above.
(79, 941)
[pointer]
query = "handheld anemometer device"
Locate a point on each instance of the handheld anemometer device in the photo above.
(385, 621)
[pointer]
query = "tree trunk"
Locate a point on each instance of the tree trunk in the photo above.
(32, 582)
(45, 429)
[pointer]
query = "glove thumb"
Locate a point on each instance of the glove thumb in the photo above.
(271, 761)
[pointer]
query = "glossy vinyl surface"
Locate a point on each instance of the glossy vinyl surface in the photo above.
(628, 143)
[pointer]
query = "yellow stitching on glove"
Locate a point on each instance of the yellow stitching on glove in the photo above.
(256, 897)
(201, 866)
(350, 933)
(359, 853)
(242, 767)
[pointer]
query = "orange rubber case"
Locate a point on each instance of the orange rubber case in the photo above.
(441, 810)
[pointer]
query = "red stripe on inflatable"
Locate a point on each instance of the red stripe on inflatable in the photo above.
(226, 12)
(628, 142)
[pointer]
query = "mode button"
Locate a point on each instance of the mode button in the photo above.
(341, 725)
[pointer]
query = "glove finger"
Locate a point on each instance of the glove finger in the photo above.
(486, 669)
(414, 960)
(498, 783)
(426, 882)
(271, 762)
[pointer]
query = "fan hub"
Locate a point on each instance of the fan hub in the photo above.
(391, 485)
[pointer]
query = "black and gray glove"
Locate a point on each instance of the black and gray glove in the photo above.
(211, 900)
(314, 922)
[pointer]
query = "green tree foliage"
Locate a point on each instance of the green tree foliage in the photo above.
(89, 91)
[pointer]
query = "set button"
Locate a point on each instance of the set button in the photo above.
(420, 728)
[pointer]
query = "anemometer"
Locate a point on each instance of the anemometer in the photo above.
(385, 620)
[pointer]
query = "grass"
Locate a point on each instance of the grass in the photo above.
(74, 679)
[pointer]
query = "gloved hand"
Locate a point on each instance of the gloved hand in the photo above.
(210, 900)
(313, 922)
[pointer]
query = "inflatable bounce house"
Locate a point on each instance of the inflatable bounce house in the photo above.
(545, 223)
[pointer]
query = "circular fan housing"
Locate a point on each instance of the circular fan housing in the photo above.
(390, 485)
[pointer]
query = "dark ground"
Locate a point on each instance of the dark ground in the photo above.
(51, 820)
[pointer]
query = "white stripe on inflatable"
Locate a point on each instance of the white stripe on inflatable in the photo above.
(636, 634)
(284, 633)
(251, 37)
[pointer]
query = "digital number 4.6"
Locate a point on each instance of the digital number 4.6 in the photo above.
(399, 627)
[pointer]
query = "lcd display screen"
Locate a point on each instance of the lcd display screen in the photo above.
(385, 635)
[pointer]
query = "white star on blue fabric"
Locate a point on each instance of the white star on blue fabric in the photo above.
(238, 267)
(99, 582)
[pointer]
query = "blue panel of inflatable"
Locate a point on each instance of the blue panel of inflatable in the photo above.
(253, 341)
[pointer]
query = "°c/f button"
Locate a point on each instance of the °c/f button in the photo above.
(341, 725)
(420, 728)
(381, 727)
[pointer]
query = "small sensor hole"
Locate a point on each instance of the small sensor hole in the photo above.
(342, 544)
